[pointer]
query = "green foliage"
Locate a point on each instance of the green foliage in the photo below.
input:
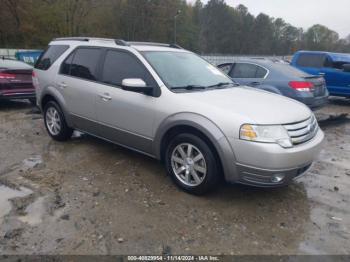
(211, 28)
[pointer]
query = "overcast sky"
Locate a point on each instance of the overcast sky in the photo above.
(334, 14)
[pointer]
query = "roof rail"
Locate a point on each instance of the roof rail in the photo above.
(117, 41)
(84, 39)
(121, 42)
(155, 44)
(87, 39)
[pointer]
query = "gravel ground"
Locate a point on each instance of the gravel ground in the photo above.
(87, 196)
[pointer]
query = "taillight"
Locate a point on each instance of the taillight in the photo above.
(7, 76)
(301, 85)
(33, 74)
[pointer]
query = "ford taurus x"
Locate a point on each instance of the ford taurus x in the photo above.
(172, 105)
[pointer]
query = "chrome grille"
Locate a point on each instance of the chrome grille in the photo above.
(302, 132)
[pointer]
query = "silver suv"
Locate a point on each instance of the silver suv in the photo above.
(170, 104)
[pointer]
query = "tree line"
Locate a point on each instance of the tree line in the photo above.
(212, 28)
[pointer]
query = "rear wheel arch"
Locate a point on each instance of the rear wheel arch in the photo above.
(47, 98)
(52, 94)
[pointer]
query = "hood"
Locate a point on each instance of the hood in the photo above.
(257, 106)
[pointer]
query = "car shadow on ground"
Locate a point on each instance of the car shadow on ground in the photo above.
(14, 104)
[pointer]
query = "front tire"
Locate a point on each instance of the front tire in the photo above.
(55, 122)
(191, 164)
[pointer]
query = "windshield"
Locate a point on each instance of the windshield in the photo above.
(180, 70)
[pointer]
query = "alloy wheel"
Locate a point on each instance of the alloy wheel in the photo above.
(188, 164)
(53, 121)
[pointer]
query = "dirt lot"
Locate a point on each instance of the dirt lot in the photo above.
(90, 197)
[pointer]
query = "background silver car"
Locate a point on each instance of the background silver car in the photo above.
(172, 105)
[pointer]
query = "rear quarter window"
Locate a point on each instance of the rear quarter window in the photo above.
(246, 70)
(50, 56)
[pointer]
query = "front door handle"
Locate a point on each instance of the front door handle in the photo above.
(321, 74)
(106, 97)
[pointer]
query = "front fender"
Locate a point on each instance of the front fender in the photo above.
(210, 130)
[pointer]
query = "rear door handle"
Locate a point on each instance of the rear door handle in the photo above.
(321, 74)
(105, 97)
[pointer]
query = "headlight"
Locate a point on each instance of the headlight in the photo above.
(266, 134)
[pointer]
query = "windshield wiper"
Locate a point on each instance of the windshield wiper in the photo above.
(223, 84)
(189, 87)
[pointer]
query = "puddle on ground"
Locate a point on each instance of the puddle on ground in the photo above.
(32, 162)
(6, 194)
(34, 212)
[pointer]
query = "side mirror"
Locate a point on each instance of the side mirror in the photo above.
(346, 68)
(136, 85)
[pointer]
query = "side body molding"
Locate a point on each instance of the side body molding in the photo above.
(210, 130)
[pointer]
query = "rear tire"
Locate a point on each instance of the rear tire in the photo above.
(191, 164)
(55, 122)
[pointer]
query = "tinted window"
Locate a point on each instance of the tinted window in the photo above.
(121, 65)
(85, 63)
(50, 56)
(65, 67)
(243, 70)
(260, 72)
(311, 60)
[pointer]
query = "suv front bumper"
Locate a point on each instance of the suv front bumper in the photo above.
(270, 165)
(269, 178)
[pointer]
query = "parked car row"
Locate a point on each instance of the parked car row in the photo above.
(170, 104)
(279, 78)
(310, 77)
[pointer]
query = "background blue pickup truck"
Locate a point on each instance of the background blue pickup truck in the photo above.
(334, 67)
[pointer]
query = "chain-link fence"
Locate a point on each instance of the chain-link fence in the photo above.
(8, 53)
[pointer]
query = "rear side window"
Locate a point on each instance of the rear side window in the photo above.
(120, 65)
(244, 70)
(50, 56)
(260, 72)
(311, 60)
(82, 63)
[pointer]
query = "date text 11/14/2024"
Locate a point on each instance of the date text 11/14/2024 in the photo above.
(173, 258)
